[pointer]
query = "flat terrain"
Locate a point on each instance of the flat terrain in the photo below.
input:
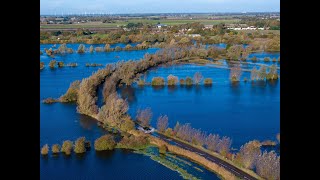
(234, 170)
(122, 23)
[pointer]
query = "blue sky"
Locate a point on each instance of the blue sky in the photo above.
(156, 6)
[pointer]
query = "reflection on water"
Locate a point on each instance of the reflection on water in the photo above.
(171, 89)
(198, 89)
(157, 88)
(104, 154)
(80, 157)
(128, 92)
(87, 122)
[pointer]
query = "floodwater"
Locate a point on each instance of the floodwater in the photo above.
(59, 122)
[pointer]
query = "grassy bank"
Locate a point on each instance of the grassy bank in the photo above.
(218, 156)
(195, 157)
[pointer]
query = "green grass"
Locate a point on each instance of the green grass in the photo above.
(218, 156)
(121, 23)
(170, 162)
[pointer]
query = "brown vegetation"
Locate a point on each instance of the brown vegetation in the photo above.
(105, 142)
(55, 148)
(172, 80)
(144, 116)
(162, 123)
(45, 150)
(79, 145)
(67, 147)
(72, 93)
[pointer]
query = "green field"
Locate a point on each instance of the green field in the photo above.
(121, 23)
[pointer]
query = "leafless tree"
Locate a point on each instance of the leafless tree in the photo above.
(248, 154)
(235, 73)
(212, 142)
(162, 123)
(268, 165)
(197, 77)
(144, 116)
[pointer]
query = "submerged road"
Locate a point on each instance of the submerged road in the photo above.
(234, 170)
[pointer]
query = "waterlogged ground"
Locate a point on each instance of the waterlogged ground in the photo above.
(60, 122)
(243, 111)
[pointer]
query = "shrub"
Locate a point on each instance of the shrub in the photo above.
(91, 49)
(268, 143)
(278, 137)
(45, 150)
(41, 65)
(182, 82)
(279, 59)
(67, 147)
(134, 142)
(128, 47)
(169, 132)
(144, 116)
(49, 52)
(162, 123)
(189, 81)
(72, 93)
(70, 50)
(99, 49)
(105, 142)
(93, 65)
(60, 64)
(197, 78)
(79, 145)
(118, 48)
(72, 65)
(106, 48)
(274, 59)
(141, 82)
(157, 81)
(81, 48)
(55, 148)
(49, 100)
(254, 58)
(273, 73)
(172, 80)
(52, 64)
(266, 59)
(163, 149)
(208, 81)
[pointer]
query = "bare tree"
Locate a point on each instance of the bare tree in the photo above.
(197, 77)
(162, 123)
(268, 165)
(144, 116)
(254, 74)
(212, 142)
(224, 145)
(248, 154)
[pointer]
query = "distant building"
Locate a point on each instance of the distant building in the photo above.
(208, 26)
(161, 25)
(194, 35)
